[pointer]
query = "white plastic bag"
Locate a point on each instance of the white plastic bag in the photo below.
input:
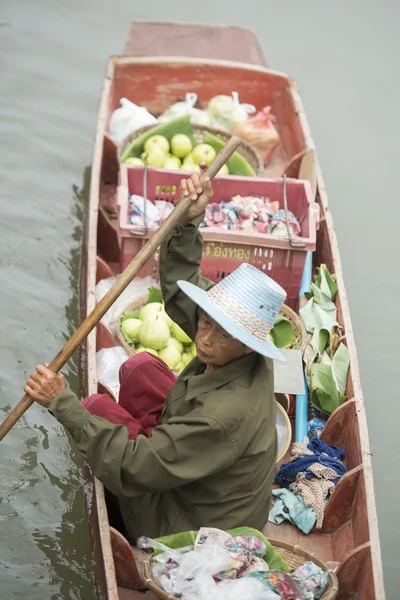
(138, 288)
(127, 119)
(108, 362)
(226, 111)
(179, 109)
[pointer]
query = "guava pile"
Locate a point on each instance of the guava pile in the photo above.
(179, 153)
(151, 330)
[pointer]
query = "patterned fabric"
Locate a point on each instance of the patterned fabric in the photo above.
(313, 471)
(314, 493)
(313, 578)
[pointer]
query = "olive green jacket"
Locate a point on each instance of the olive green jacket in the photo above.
(211, 462)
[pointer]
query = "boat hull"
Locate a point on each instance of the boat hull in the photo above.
(349, 538)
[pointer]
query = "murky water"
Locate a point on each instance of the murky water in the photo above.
(52, 59)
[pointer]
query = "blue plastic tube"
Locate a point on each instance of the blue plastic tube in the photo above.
(301, 420)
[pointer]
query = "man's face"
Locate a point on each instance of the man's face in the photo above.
(214, 345)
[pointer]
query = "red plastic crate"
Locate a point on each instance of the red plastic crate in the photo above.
(223, 250)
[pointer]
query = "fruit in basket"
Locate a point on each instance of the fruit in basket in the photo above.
(181, 145)
(223, 170)
(237, 164)
(170, 355)
(134, 161)
(140, 349)
(166, 318)
(203, 152)
(186, 358)
(172, 162)
(190, 167)
(180, 335)
(151, 310)
(176, 344)
(154, 158)
(154, 333)
(131, 327)
(157, 142)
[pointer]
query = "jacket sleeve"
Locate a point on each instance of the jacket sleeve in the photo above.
(180, 258)
(176, 453)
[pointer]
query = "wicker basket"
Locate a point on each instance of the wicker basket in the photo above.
(133, 306)
(250, 154)
(294, 556)
(298, 327)
(295, 320)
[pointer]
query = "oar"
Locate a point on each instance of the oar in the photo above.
(122, 282)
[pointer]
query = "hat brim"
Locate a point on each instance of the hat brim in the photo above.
(200, 297)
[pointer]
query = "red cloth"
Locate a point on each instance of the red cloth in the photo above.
(145, 382)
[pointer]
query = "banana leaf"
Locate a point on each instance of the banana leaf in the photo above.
(324, 394)
(340, 368)
(188, 538)
(155, 295)
(282, 333)
(168, 130)
(326, 282)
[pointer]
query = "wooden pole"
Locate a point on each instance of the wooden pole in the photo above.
(122, 282)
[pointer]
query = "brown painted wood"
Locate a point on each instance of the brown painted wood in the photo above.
(152, 38)
(354, 575)
(340, 505)
(126, 570)
(103, 271)
(342, 429)
(120, 285)
(104, 337)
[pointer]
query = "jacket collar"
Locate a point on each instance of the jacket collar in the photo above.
(206, 382)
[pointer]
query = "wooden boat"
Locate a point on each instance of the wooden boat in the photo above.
(223, 59)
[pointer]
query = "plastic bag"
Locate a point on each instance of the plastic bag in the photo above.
(180, 109)
(226, 112)
(244, 589)
(127, 119)
(136, 290)
(259, 132)
(108, 362)
(209, 559)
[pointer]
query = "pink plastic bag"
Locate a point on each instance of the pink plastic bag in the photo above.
(259, 132)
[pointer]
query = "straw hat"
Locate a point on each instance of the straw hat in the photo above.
(245, 304)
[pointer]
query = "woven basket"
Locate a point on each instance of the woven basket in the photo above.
(133, 306)
(298, 327)
(250, 154)
(295, 320)
(294, 557)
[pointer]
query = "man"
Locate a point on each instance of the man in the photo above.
(210, 459)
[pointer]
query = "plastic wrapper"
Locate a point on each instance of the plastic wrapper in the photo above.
(278, 224)
(187, 107)
(136, 290)
(108, 362)
(226, 111)
(210, 559)
(156, 212)
(259, 131)
(244, 589)
(127, 119)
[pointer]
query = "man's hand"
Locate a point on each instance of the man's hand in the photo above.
(192, 187)
(44, 385)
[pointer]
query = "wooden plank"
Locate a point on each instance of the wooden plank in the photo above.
(156, 38)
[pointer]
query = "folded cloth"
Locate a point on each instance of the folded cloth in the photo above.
(312, 577)
(286, 505)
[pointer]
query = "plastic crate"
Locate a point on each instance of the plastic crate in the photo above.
(223, 250)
